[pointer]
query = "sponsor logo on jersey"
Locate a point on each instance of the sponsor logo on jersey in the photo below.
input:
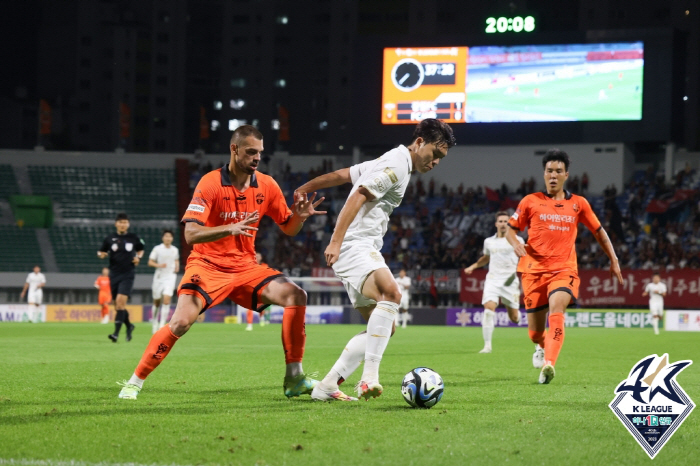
(236, 215)
(375, 256)
(199, 200)
(260, 198)
(650, 403)
(392, 175)
(558, 218)
(196, 208)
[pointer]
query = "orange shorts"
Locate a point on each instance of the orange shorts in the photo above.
(243, 284)
(104, 298)
(538, 287)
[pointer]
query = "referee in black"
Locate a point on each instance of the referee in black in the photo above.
(125, 251)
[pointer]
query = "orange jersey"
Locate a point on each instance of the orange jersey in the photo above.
(552, 230)
(217, 202)
(102, 283)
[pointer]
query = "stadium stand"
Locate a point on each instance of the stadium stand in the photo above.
(8, 183)
(19, 249)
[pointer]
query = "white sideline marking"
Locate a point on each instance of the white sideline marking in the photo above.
(27, 462)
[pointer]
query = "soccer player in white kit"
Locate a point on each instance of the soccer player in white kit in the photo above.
(34, 283)
(166, 259)
(404, 282)
(501, 280)
(656, 291)
(353, 251)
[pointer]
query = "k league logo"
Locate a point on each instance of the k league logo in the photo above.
(650, 403)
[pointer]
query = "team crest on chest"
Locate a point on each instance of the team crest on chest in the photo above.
(260, 198)
(575, 207)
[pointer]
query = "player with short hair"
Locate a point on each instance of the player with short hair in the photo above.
(404, 282)
(501, 280)
(34, 283)
(125, 251)
(656, 290)
(353, 252)
(165, 258)
(221, 222)
(105, 295)
(548, 260)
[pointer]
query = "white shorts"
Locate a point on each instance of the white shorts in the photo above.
(656, 310)
(35, 297)
(509, 295)
(163, 286)
(356, 262)
(404, 301)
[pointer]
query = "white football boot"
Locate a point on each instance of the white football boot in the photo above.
(538, 357)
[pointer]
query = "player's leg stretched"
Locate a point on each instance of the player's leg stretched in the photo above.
(164, 311)
(558, 302)
(186, 313)
(249, 320)
(488, 324)
(536, 323)
(155, 315)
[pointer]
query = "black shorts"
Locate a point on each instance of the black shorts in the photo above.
(121, 285)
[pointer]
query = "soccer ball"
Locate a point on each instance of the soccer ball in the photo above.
(422, 387)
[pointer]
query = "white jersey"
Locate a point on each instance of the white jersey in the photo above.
(34, 280)
(387, 179)
(164, 255)
(656, 300)
(502, 258)
(404, 284)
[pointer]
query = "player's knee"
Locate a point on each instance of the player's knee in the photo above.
(295, 296)
(392, 294)
(179, 326)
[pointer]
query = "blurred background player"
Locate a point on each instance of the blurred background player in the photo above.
(656, 291)
(548, 264)
(404, 282)
(221, 222)
(34, 283)
(105, 295)
(249, 313)
(166, 259)
(125, 251)
(353, 252)
(501, 280)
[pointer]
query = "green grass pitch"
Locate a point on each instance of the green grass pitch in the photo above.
(576, 98)
(217, 399)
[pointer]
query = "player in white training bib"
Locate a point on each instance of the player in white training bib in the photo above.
(166, 259)
(404, 282)
(354, 249)
(34, 283)
(501, 280)
(656, 291)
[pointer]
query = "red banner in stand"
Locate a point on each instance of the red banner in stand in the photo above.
(124, 121)
(44, 117)
(599, 290)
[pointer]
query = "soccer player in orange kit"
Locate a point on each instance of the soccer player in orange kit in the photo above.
(105, 295)
(221, 222)
(548, 260)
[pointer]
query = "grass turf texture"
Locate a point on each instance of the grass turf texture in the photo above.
(575, 98)
(217, 399)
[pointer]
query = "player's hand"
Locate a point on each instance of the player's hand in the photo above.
(21, 295)
(136, 260)
(520, 250)
(332, 253)
(469, 270)
(244, 227)
(305, 207)
(162, 266)
(616, 272)
(101, 254)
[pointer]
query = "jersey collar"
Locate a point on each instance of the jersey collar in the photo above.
(226, 180)
(404, 150)
(567, 194)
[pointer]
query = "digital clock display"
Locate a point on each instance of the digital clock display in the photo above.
(505, 24)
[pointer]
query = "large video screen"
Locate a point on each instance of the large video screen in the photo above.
(527, 83)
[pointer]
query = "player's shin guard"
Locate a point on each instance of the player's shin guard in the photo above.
(164, 314)
(350, 359)
(555, 338)
(378, 333)
(158, 348)
(537, 337)
(487, 325)
(293, 333)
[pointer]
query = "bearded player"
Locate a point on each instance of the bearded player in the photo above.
(221, 222)
(548, 260)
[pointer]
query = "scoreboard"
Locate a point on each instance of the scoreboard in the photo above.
(426, 82)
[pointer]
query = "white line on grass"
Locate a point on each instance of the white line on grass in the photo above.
(28, 462)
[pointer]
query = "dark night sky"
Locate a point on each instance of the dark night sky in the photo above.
(19, 22)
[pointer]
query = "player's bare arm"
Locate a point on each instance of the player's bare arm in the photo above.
(24, 290)
(604, 240)
(352, 206)
(303, 208)
(101, 254)
(152, 263)
(512, 239)
(195, 233)
(328, 180)
(483, 260)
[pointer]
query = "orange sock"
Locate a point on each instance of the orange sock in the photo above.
(249, 316)
(105, 310)
(293, 333)
(537, 337)
(555, 337)
(158, 348)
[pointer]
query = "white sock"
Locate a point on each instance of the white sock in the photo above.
(293, 369)
(164, 311)
(487, 326)
(655, 324)
(378, 333)
(350, 359)
(136, 381)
